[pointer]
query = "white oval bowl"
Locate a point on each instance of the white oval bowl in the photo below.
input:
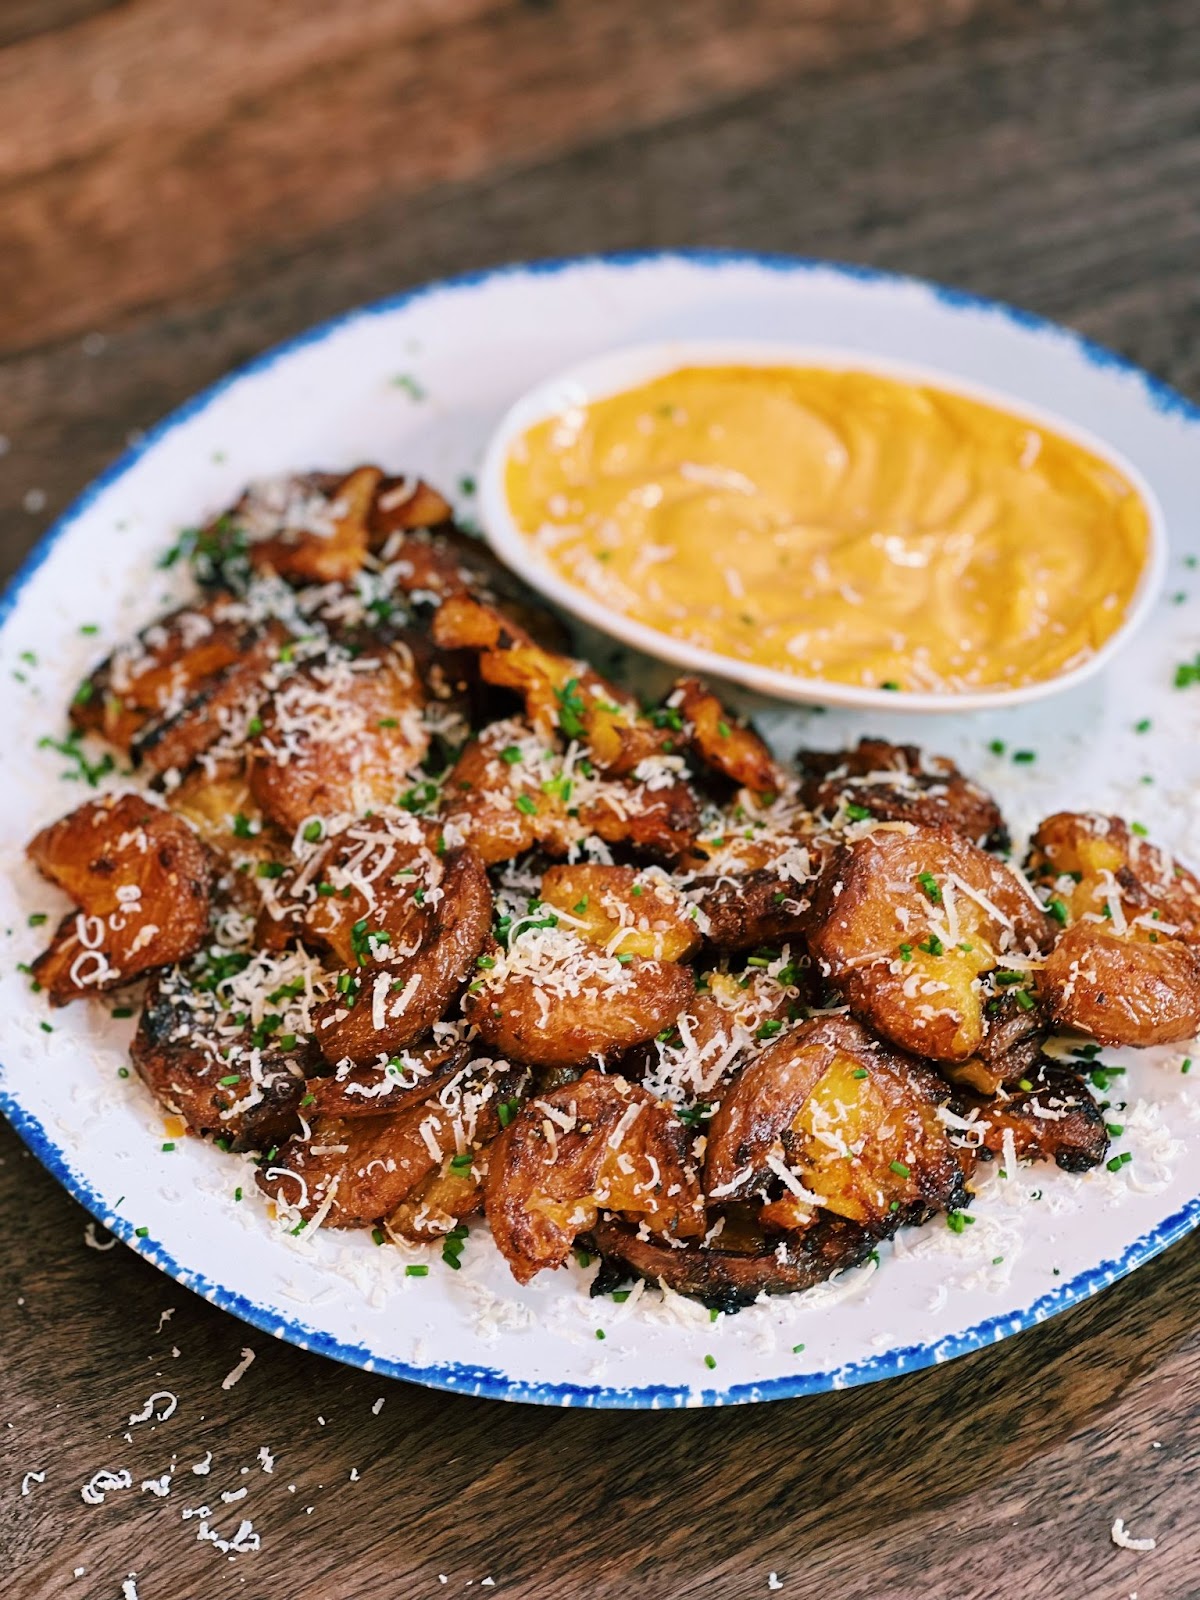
(632, 366)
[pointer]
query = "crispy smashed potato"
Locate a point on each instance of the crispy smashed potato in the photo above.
(740, 1263)
(598, 1144)
(367, 888)
(311, 529)
(899, 783)
(211, 1074)
(1119, 990)
(339, 735)
(142, 882)
(1096, 868)
(161, 698)
(723, 743)
(554, 999)
(908, 921)
(622, 909)
(390, 999)
(356, 1171)
(510, 791)
(829, 1119)
(401, 1082)
(1125, 970)
(1050, 1114)
(563, 697)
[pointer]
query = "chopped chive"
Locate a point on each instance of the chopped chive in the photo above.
(416, 1269)
(710, 1362)
(899, 1168)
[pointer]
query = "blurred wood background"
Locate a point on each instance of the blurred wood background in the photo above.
(183, 182)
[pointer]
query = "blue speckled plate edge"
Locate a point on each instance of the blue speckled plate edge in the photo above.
(488, 1381)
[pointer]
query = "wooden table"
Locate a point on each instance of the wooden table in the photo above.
(187, 181)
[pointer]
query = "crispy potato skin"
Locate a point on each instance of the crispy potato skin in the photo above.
(572, 1152)
(729, 1275)
(187, 1080)
(608, 1012)
(158, 698)
(371, 1165)
(1056, 1119)
(338, 736)
(1121, 991)
(374, 879)
(372, 1091)
(900, 783)
(171, 743)
(824, 1090)
(1084, 861)
(871, 900)
(415, 990)
(760, 908)
(142, 881)
(302, 556)
(642, 908)
(563, 697)
(724, 744)
(504, 809)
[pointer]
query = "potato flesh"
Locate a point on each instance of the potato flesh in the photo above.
(619, 908)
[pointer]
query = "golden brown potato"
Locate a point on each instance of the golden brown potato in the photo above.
(405, 1080)
(169, 744)
(220, 807)
(1121, 991)
(740, 1263)
(157, 698)
(899, 783)
(367, 888)
(409, 505)
(510, 790)
(563, 697)
(352, 1172)
(454, 1189)
(1094, 867)
(598, 1143)
(906, 921)
(554, 1000)
(308, 529)
(830, 1119)
(730, 1018)
(142, 882)
(210, 1072)
(723, 743)
(338, 735)
(1050, 1114)
(623, 910)
(389, 1001)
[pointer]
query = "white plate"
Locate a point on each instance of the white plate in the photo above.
(588, 381)
(331, 399)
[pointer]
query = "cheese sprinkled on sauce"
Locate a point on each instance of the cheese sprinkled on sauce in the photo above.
(836, 525)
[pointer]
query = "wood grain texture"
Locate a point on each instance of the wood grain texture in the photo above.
(194, 181)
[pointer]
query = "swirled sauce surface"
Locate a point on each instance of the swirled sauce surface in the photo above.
(836, 525)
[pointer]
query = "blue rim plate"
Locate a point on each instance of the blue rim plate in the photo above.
(418, 380)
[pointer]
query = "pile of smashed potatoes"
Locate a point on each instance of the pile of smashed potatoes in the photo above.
(439, 923)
